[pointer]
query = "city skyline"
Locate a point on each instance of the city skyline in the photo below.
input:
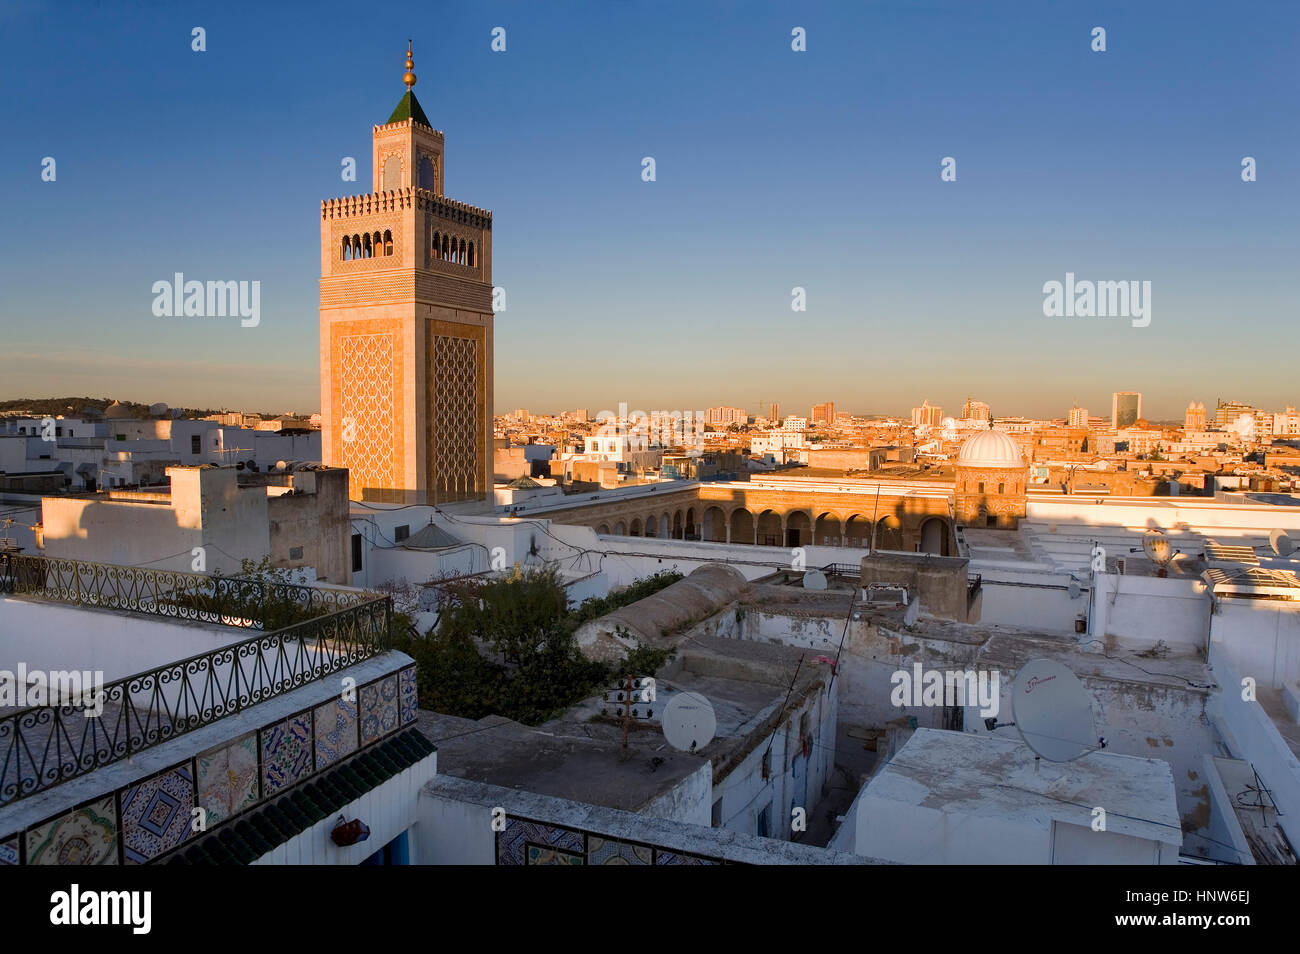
(692, 268)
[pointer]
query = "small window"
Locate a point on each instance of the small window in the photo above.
(196, 444)
(356, 553)
(1002, 488)
(58, 432)
(295, 553)
(981, 486)
(401, 533)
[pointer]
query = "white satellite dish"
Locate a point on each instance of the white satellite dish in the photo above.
(1052, 711)
(1157, 547)
(814, 580)
(689, 722)
(1282, 544)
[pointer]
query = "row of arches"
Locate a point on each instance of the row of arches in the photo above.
(370, 245)
(794, 529)
(445, 247)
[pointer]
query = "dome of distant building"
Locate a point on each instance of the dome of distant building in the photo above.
(117, 411)
(990, 449)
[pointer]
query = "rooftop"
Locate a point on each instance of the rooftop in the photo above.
(962, 773)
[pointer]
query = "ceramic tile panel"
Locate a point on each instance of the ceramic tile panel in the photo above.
(407, 702)
(378, 709)
(157, 814)
(608, 851)
(84, 836)
(286, 753)
(227, 779)
(516, 844)
(336, 731)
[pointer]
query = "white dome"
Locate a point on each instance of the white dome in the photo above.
(990, 449)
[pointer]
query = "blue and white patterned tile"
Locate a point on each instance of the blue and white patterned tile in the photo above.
(681, 858)
(336, 731)
(520, 839)
(157, 814)
(408, 703)
(9, 851)
(286, 753)
(378, 709)
(388, 716)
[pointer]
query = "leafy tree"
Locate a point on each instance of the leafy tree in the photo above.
(525, 618)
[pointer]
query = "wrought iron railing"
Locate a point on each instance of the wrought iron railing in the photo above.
(232, 601)
(849, 570)
(44, 746)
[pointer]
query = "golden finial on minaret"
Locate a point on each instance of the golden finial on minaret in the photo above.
(409, 77)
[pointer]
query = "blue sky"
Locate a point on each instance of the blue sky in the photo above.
(775, 169)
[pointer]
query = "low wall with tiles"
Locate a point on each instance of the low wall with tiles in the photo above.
(473, 823)
(137, 822)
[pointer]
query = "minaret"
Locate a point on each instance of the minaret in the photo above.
(406, 325)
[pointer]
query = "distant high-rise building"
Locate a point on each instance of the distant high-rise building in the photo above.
(1125, 408)
(726, 415)
(522, 415)
(1078, 416)
(927, 415)
(824, 413)
(580, 414)
(1194, 420)
(1228, 412)
(975, 411)
(1286, 423)
(775, 413)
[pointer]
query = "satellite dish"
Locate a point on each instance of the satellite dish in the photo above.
(1052, 711)
(814, 580)
(1283, 545)
(689, 722)
(1157, 548)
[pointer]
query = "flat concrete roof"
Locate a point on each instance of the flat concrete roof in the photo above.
(560, 759)
(990, 777)
(580, 755)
